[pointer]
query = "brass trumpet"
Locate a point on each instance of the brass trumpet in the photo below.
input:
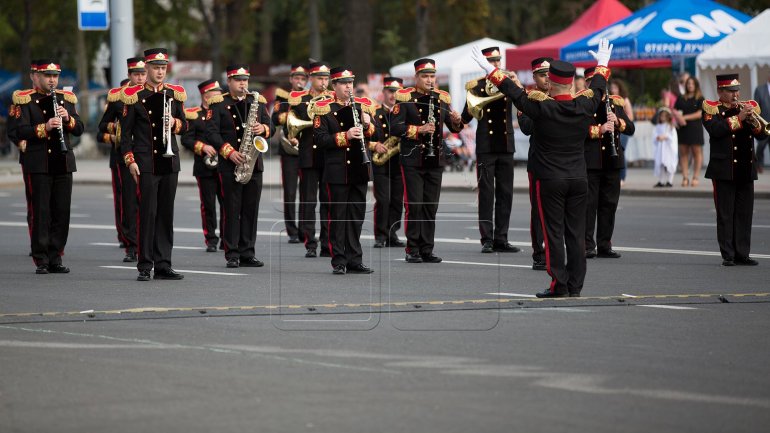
(754, 119)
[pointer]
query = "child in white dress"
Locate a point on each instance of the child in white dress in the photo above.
(666, 151)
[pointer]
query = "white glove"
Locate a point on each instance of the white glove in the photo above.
(481, 60)
(605, 50)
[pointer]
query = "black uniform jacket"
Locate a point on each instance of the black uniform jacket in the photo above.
(731, 141)
(494, 132)
(599, 146)
(310, 156)
(141, 127)
(195, 138)
(225, 122)
(384, 117)
(109, 125)
(410, 113)
(343, 158)
(560, 125)
(44, 152)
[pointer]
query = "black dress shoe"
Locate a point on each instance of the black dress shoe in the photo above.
(338, 270)
(143, 276)
(293, 239)
(590, 254)
(745, 261)
(42, 269)
(506, 248)
(167, 274)
(232, 263)
(549, 294)
(728, 262)
(360, 269)
(396, 242)
(325, 253)
(487, 248)
(608, 254)
(310, 253)
(58, 269)
(251, 262)
(130, 257)
(430, 258)
(211, 248)
(379, 244)
(538, 266)
(413, 258)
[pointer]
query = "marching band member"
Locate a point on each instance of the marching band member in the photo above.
(422, 156)
(732, 126)
(152, 114)
(205, 165)
(342, 134)
(44, 119)
(494, 163)
(228, 119)
(388, 184)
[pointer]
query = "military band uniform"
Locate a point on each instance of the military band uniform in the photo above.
(559, 169)
(604, 175)
(421, 173)
(123, 185)
(224, 131)
(732, 171)
(289, 166)
(494, 167)
(141, 142)
(345, 178)
(48, 169)
(207, 178)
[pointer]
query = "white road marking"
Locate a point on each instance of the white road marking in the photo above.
(115, 244)
(515, 295)
(79, 346)
(668, 307)
(510, 229)
(186, 271)
(18, 204)
(5, 194)
(72, 215)
(454, 262)
(440, 240)
(627, 296)
(754, 226)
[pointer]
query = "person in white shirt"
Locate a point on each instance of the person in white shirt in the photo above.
(666, 154)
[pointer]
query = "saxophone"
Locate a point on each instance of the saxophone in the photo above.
(393, 145)
(250, 145)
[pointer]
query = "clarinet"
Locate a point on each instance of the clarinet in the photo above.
(357, 124)
(431, 119)
(62, 143)
(613, 150)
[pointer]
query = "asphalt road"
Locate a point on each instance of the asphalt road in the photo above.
(664, 339)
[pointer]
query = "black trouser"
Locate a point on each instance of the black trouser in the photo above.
(309, 196)
(388, 191)
(734, 202)
(494, 173)
(535, 226)
(28, 197)
(562, 204)
(210, 192)
(51, 196)
(289, 179)
(347, 205)
(117, 199)
(128, 207)
(239, 219)
(156, 220)
(601, 205)
(422, 188)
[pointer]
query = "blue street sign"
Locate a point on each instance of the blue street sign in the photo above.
(93, 15)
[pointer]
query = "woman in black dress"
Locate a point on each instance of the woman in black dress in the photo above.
(688, 109)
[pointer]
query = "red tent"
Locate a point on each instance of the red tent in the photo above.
(600, 15)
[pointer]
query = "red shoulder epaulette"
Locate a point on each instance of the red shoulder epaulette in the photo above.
(129, 95)
(281, 93)
(68, 96)
(179, 92)
(367, 105)
(618, 100)
(444, 96)
(191, 113)
(295, 97)
(322, 106)
(114, 94)
(711, 107)
(405, 94)
(588, 93)
(21, 97)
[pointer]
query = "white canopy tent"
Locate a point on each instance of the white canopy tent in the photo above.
(453, 67)
(747, 52)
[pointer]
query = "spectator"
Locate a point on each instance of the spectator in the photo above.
(664, 140)
(618, 87)
(683, 76)
(688, 113)
(580, 80)
(762, 96)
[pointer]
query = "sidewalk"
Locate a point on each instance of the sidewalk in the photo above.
(639, 181)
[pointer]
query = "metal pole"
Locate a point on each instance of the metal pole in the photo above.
(121, 38)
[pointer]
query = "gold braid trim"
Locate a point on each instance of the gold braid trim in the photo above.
(106, 138)
(734, 123)
(40, 131)
(114, 95)
(226, 150)
(21, 97)
(497, 77)
(622, 125)
(340, 140)
(281, 93)
(128, 159)
(603, 71)
(215, 99)
(594, 132)
(294, 98)
(588, 93)
(261, 99)
(411, 132)
(69, 96)
(618, 100)
(177, 126)
(404, 95)
(536, 95)
(710, 107)
(444, 97)
(111, 127)
(198, 147)
(471, 84)
(129, 99)
(370, 130)
(282, 118)
(190, 114)
(71, 124)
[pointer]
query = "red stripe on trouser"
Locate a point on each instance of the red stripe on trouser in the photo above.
(406, 208)
(31, 211)
(203, 211)
(551, 288)
(116, 199)
(224, 211)
(329, 220)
